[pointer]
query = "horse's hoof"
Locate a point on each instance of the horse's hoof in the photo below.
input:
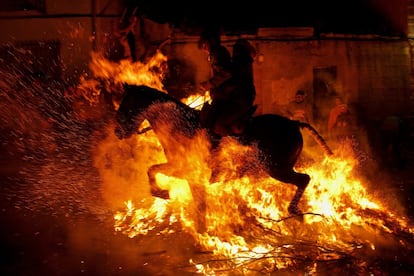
(214, 176)
(294, 210)
(160, 193)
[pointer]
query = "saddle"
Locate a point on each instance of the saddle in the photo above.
(238, 127)
(232, 124)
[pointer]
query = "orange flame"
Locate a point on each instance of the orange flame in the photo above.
(125, 71)
(245, 218)
(109, 76)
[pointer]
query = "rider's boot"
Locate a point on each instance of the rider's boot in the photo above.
(215, 140)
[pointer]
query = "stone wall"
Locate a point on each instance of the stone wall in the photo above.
(371, 74)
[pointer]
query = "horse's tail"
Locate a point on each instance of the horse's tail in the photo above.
(318, 138)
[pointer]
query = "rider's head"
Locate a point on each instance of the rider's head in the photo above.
(242, 49)
(209, 38)
(300, 96)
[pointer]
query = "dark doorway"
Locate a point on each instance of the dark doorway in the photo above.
(324, 83)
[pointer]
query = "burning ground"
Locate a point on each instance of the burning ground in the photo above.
(82, 202)
(247, 226)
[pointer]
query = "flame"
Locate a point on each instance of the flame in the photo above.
(240, 214)
(108, 77)
(196, 101)
(245, 219)
(125, 71)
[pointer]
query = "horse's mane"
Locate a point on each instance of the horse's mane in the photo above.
(142, 97)
(153, 94)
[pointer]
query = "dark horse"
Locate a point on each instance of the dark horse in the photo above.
(278, 139)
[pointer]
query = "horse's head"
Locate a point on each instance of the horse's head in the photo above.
(159, 108)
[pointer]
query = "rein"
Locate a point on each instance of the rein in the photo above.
(145, 129)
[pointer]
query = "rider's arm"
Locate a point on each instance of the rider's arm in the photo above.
(221, 65)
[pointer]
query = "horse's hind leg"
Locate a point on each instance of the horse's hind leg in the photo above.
(154, 188)
(301, 181)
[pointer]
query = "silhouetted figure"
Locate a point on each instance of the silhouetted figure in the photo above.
(120, 43)
(231, 84)
(299, 109)
(393, 132)
(341, 122)
(219, 82)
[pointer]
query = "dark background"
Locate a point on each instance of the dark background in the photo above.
(341, 16)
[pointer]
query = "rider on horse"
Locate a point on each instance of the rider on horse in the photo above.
(231, 86)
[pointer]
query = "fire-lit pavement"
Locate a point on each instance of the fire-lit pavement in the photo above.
(66, 237)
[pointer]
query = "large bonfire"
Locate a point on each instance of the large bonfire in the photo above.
(246, 226)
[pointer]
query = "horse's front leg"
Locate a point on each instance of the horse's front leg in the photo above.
(154, 188)
(197, 207)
